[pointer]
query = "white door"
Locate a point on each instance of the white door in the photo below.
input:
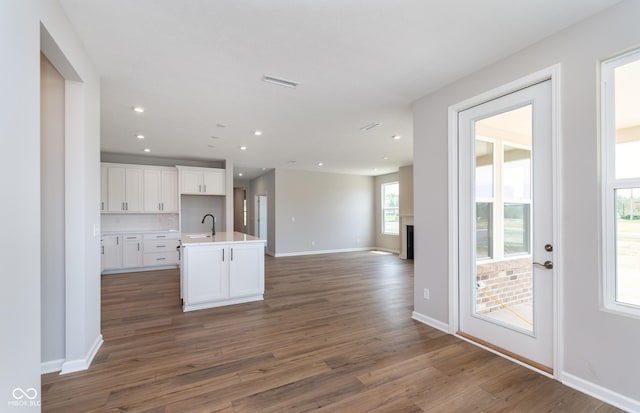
(506, 226)
(261, 216)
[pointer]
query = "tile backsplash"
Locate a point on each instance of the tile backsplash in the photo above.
(139, 222)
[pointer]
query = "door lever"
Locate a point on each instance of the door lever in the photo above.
(547, 264)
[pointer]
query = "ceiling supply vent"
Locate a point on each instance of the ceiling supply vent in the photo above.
(370, 126)
(279, 81)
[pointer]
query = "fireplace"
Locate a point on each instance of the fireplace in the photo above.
(409, 242)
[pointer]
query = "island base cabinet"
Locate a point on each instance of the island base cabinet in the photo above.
(216, 275)
(246, 270)
(208, 274)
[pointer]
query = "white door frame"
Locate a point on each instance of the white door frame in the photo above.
(552, 73)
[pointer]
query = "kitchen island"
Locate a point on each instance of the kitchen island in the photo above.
(224, 269)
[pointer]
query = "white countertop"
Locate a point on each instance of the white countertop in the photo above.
(220, 237)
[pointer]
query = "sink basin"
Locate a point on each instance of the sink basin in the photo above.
(195, 236)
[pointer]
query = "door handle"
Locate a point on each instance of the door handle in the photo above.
(547, 264)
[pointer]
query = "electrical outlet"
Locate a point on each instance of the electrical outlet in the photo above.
(426, 293)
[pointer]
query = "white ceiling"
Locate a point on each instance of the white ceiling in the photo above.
(197, 64)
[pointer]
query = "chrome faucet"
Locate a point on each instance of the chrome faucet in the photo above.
(213, 228)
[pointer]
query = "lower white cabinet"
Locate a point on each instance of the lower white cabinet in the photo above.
(111, 252)
(131, 251)
(216, 274)
(139, 252)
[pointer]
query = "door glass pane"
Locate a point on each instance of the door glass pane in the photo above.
(504, 273)
(627, 102)
(628, 246)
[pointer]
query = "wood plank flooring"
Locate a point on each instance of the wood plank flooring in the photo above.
(334, 334)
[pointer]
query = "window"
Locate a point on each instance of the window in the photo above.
(621, 182)
(390, 211)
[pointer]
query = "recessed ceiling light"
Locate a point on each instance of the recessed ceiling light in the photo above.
(320, 164)
(264, 169)
(257, 132)
(280, 82)
(147, 150)
(370, 126)
(396, 137)
(375, 169)
(243, 148)
(138, 109)
(140, 136)
(386, 158)
(240, 174)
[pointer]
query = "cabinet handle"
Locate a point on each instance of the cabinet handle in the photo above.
(162, 206)
(102, 246)
(127, 204)
(231, 254)
(102, 206)
(222, 255)
(123, 206)
(161, 246)
(199, 188)
(117, 240)
(205, 188)
(138, 246)
(160, 259)
(159, 206)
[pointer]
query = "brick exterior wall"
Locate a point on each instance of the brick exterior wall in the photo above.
(509, 281)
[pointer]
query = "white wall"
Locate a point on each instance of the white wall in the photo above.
(384, 241)
(20, 181)
(318, 212)
(600, 349)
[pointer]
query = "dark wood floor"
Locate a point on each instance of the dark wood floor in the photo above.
(333, 334)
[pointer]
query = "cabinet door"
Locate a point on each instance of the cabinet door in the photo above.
(169, 191)
(152, 190)
(213, 182)
(133, 190)
(206, 273)
(190, 182)
(116, 192)
(131, 252)
(104, 189)
(111, 252)
(246, 269)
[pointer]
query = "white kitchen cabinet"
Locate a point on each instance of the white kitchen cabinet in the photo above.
(246, 269)
(208, 279)
(131, 251)
(214, 274)
(104, 188)
(202, 181)
(111, 252)
(160, 192)
(161, 249)
(124, 189)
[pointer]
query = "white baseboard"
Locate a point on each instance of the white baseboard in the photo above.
(51, 366)
(601, 393)
(431, 322)
(295, 254)
(72, 366)
(270, 253)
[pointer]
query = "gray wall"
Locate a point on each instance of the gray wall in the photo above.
(405, 174)
(194, 207)
(599, 348)
(384, 241)
(264, 185)
(323, 211)
(52, 242)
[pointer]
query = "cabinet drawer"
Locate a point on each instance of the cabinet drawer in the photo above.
(160, 245)
(128, 237)
(167, 235)
(160, 258)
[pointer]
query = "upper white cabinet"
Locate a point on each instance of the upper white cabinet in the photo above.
(160, 190)
(104, 188)
(124, 189)
(201, 181)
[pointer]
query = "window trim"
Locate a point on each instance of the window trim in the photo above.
(384, 208)
(609, 184)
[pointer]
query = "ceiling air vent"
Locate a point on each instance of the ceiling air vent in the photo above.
(279, 81)
(370, 126)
